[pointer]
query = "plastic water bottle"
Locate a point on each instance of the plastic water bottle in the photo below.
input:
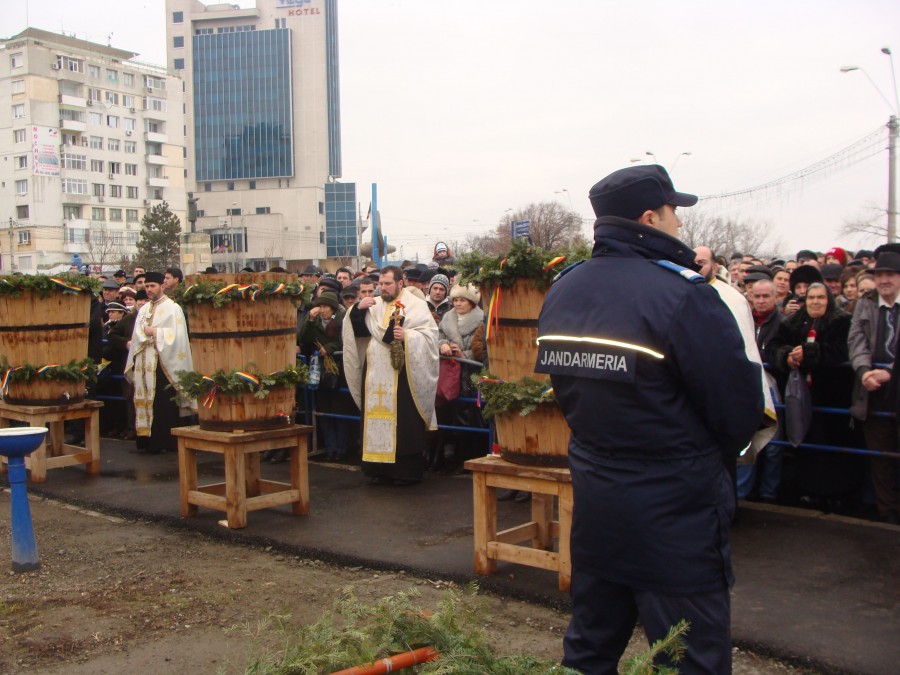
(315, 371)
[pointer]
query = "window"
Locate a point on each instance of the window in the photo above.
(98, 189)
(22, 187)
(263, 210)
(24, 238)
(75, 115)
(18, 86)
(131, 169)
(321, 208)
(94, 95)
(154, 127)
(207, 187)
(78, 162)
(232, 212)
(95, 118)
(203, 31)
(71, 212)
(112, 121)
(132, 238)
(130, 147)
(112, 98)
(70, 139)
(128, 79)
(178, 41)
(94, 71)
(252, 184)
(154, 82)
(201, 213)
(115, 167)
(129, 124)
(21, 161)
(177, 17)
(78, 235)
(74, 186)
(19, 136)
(98, 214)
(128, 100)
(157, 104)
(18, 110)
(235, 29)
(131, 215)
(113, 144)
(96, 142)
(22, 212)
(231, 185)
(16, 60)
(115, 191)
(97, 165)
(112, 75)
(178, 64)
(70, 64)
(131, 192)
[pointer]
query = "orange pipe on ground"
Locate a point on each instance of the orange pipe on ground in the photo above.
(390, 664)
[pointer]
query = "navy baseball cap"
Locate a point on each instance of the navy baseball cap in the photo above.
(629, 192)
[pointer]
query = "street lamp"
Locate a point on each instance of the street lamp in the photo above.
(893, 127)
(679, 156)
(569, 195)
(650, 154)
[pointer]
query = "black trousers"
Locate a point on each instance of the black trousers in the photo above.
(604, 615)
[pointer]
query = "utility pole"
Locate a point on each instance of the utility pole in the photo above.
(893, 127)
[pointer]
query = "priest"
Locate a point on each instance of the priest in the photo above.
(391, 362)
(159, 351)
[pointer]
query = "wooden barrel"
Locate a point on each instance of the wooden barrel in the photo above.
(39, 331)
(512, 349)
(538, 439)
(244, 335)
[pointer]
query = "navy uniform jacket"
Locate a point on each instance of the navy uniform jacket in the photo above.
(650, 371)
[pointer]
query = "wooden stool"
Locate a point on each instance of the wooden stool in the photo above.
(545, 484)
(243, 489)
(55, 452)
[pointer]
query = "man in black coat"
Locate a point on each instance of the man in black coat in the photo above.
(635, 343)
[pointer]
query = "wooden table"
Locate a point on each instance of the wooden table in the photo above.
(243, 489)
(54, 451)
(546, 485)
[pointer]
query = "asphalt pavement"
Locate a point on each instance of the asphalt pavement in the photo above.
(812, 589)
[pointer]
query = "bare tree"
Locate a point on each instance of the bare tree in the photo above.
(551, 226)
(870, 228)
(102, 250)
(727, 235)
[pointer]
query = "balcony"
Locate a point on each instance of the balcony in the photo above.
(75, 247)
(158, 181)
(73, 101)
(155, 137)
(158, 160)
(72, 125)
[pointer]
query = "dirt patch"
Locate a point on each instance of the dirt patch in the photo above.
(114, 595)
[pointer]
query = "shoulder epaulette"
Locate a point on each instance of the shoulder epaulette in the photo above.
(683, 272)
(566, 270)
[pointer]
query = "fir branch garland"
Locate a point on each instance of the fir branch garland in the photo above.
(44, 285)
(500, 397)
(220, 294)
(74, 371)
(523, 261)
(194, 385)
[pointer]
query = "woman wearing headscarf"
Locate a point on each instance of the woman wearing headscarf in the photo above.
(813, 340)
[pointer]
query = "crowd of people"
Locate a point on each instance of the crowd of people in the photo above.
(832, 317)
(429, 315)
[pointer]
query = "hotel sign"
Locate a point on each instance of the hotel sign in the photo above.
(297, 7)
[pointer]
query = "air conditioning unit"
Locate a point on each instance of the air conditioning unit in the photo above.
(146, 202)
(90, 101)
(128, 132)
(134, 110)
(54, 66)
(101, 199)
(111, 176)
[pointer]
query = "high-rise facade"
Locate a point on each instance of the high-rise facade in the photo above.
(93, 139)
(263, 125)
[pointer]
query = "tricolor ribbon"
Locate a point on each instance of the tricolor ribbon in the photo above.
(493, 318)
(247, 377)
(211, 394)
(228, 288)
(4, 382)
(278, 289)
(66, 287)
(44, 369)
(553, 263)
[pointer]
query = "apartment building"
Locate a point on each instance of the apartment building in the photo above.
(91, 139)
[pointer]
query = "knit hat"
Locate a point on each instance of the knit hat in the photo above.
(469, 292)
(328, 299)
(440, 279)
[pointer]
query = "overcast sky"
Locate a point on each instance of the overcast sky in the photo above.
(460, 110)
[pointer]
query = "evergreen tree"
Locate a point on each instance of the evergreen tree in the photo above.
(159, 247)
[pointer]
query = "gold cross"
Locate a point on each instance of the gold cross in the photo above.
(380, 393)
